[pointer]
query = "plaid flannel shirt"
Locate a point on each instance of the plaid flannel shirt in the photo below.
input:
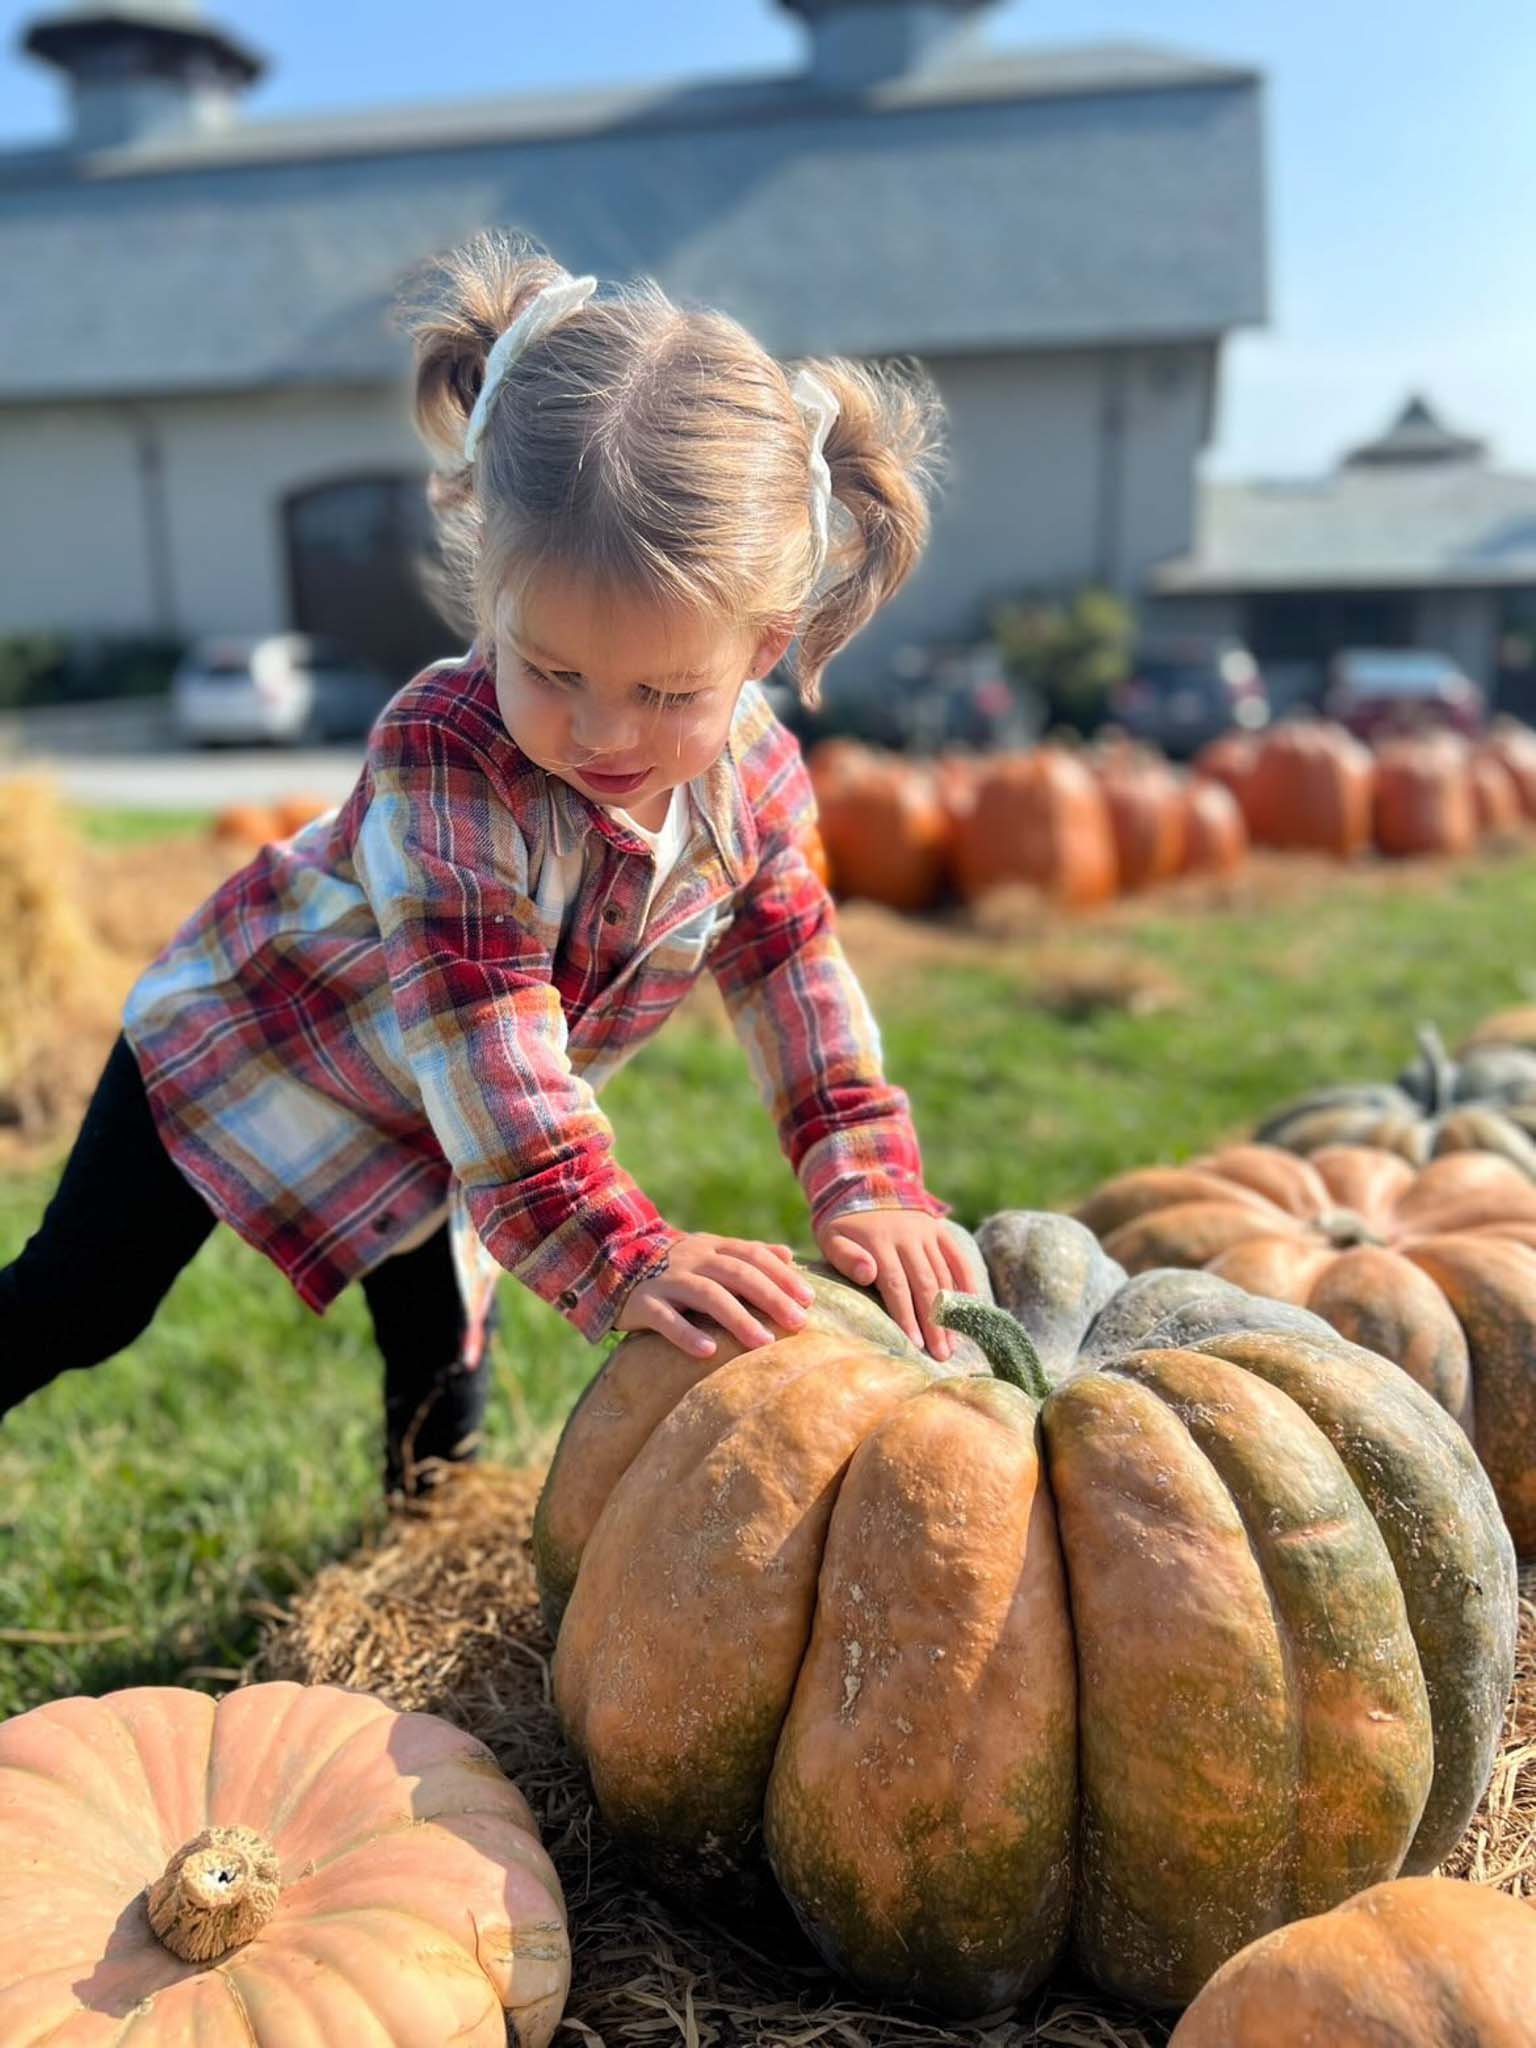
(399, 1010)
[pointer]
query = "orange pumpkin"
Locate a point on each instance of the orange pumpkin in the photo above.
(1215, 836)
(246, 825)
(1230, 760)
(1495, 796)
(1433, 1267)
(293, 813)
(1147, 815)
(1515, 1027)
(1513, 745)
(292, 1864)
(1039, 818)
(1311, 790)
(1422, 1962)
(882, 826)
(1424, 796)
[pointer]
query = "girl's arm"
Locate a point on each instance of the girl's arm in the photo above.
(803, 1019)
(445, 870)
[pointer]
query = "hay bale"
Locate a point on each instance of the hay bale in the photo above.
(441, 1615)
(52, 984)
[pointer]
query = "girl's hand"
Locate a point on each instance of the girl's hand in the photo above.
(909, 1256)
(726, 1279)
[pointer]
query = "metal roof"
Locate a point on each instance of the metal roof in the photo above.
(1051, 198)
(1432, 524)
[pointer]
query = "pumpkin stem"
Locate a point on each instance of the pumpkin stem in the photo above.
(1439, 1067)
(218, 1892)
(1009, 1347)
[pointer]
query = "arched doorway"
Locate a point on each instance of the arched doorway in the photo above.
(356, 547)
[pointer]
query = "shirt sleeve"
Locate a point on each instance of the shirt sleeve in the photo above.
(445, 869)
(808, 1032)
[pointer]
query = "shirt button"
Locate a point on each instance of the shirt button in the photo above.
(568, 1299)
(385, 1220)
(612, 914)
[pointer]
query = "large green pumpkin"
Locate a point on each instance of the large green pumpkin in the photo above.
(1484, 1100)
(1193, 1620)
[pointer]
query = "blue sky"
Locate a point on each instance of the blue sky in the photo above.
(1402, 165)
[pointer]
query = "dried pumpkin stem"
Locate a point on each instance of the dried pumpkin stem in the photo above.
(1439, 1067)
(1009, 1348)
(218, 1891)
(1344, 1229)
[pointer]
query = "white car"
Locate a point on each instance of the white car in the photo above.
(287, 688)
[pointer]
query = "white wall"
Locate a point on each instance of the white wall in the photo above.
(74, 515)
(1023, 506)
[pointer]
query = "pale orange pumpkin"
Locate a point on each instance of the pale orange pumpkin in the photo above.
(1420, 1962)
(290, 1865)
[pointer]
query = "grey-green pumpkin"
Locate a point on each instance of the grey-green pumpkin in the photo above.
(1193, 1619)
(1483, 1100)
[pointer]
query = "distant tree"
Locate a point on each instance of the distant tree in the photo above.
(1071, 648)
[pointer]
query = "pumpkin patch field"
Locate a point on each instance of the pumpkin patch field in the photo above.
(205, 1508)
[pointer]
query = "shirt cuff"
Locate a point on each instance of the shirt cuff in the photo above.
(587, 1273)
(872, 1166)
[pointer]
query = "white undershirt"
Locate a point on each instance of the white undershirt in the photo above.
(666, 846)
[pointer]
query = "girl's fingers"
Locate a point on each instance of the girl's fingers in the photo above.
(852, 1261)
(896, 1293)
(722, 1307)
(770, 1259)
(659, 1315)
(926, 1275)
(764, 1290)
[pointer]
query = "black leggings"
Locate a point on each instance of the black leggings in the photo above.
(122, 1224)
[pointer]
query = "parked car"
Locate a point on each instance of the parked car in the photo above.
(1379, 690)
(1182, 693)
(930, 698)
(288, 688)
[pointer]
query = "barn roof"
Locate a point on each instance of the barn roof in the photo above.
(1050, 198)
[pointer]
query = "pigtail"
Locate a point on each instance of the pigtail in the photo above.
(453, 309)
(883, 452)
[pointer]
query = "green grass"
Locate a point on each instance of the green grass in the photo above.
(167, 1494)
(103, 826)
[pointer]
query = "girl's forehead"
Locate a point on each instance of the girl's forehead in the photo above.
(616, 637)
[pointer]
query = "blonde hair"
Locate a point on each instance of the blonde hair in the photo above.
(659, 450)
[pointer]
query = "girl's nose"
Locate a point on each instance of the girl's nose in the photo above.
(600, 732)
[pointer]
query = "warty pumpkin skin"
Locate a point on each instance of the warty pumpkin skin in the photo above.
(412, 1902)
(1485, 1101)
(972, 1662)
(1424, 1962)
(1434, 1268)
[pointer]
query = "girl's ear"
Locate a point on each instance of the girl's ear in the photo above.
(772, 648)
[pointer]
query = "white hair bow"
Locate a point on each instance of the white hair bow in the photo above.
(546, 309)
(831, 520)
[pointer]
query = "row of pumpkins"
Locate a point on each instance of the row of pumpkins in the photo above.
(1167, 1628)
(1083, 824)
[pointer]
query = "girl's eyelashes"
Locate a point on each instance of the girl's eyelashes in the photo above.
(667, 701)
(662, 700)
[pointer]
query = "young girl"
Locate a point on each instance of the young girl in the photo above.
(375, 1051)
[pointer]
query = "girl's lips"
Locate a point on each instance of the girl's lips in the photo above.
(612, 785)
